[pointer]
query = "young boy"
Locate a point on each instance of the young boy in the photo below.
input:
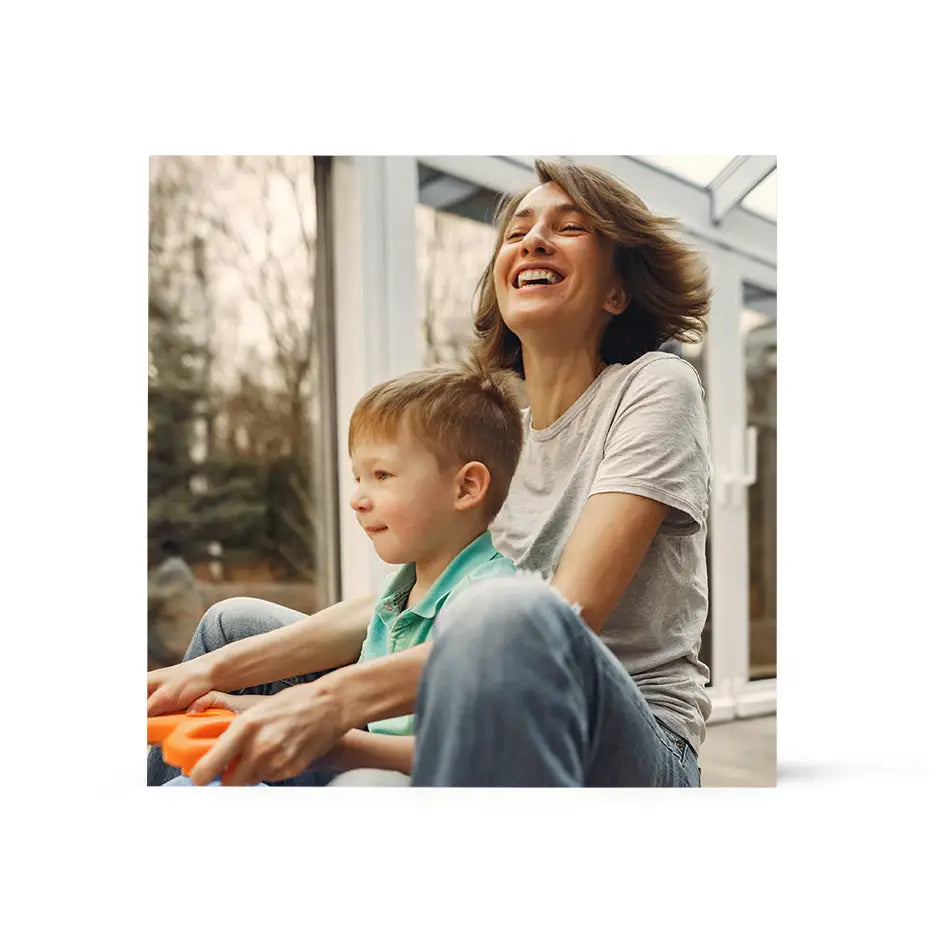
(432, 453)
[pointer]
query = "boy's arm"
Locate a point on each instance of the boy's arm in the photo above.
(359, 749)
(327, 639)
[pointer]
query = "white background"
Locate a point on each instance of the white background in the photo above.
(91, 90)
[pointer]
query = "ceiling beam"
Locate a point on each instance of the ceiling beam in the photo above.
(445, 191)
(735, 182)
(490, 172)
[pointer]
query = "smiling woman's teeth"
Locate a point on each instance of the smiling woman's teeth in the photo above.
(537, 276)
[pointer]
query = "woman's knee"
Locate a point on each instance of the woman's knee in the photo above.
(494, 616)
(498, 645)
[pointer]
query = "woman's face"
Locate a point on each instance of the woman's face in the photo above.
(553, 267)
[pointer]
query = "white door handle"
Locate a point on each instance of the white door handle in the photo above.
(750, 464)
(730, 485)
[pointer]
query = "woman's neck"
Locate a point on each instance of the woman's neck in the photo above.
(555, 383)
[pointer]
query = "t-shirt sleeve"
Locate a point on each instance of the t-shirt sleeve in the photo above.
(658, 444)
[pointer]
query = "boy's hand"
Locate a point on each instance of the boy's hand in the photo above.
(172, 689)
(237, 703)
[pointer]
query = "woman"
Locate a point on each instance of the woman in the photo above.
(585, 672)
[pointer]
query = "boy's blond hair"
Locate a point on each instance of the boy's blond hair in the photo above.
(461, 414)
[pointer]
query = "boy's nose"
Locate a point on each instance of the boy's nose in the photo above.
(359, 502)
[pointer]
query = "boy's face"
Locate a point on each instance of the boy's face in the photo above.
(402, 500)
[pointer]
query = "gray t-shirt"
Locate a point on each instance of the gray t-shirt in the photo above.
(639, 428)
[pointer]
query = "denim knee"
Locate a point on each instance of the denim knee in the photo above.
(220, 625)
(224, 622)
(493, 616)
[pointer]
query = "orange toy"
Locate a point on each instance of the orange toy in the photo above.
(186, 737)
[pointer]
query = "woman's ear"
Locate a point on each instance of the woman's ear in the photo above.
(616, 301)
(472, 485)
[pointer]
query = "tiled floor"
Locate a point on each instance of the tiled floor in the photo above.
(740, 753)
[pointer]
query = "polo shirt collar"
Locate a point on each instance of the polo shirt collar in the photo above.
(472, 556)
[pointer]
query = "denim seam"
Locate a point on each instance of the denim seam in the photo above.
(587, 636)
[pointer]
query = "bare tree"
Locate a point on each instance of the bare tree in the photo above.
(451, 254)
(233, 243)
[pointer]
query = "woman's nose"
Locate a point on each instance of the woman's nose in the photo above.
(534, 242)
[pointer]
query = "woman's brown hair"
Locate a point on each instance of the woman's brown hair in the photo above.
(665, 280)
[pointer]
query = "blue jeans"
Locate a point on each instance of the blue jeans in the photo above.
(518, 691)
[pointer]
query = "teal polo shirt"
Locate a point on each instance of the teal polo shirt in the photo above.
(394, 628)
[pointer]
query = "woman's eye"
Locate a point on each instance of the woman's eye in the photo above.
(572, 228)
(513, 235)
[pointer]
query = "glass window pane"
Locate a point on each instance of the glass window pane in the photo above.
(233, 415)
(758, 324)
(454, 240)
(763, 198)
(700, 170)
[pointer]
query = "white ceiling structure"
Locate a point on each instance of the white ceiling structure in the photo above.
(729, 201)
(754, 175)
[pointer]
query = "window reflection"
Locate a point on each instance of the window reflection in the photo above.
(454, 240)
(759, 325)
(234, 301)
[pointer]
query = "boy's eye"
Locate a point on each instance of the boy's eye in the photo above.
(381, 475)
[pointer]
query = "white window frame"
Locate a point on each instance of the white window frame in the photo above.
(377, 336)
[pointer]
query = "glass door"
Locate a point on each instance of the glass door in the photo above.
(758, 325)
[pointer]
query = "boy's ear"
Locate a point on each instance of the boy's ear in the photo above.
(472, 484)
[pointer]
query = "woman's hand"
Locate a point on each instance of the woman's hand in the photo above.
(274, 739)
(237, 703)
(172, 689)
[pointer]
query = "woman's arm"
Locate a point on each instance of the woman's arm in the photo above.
(329, 638)
(282, 735)
(606, 548)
